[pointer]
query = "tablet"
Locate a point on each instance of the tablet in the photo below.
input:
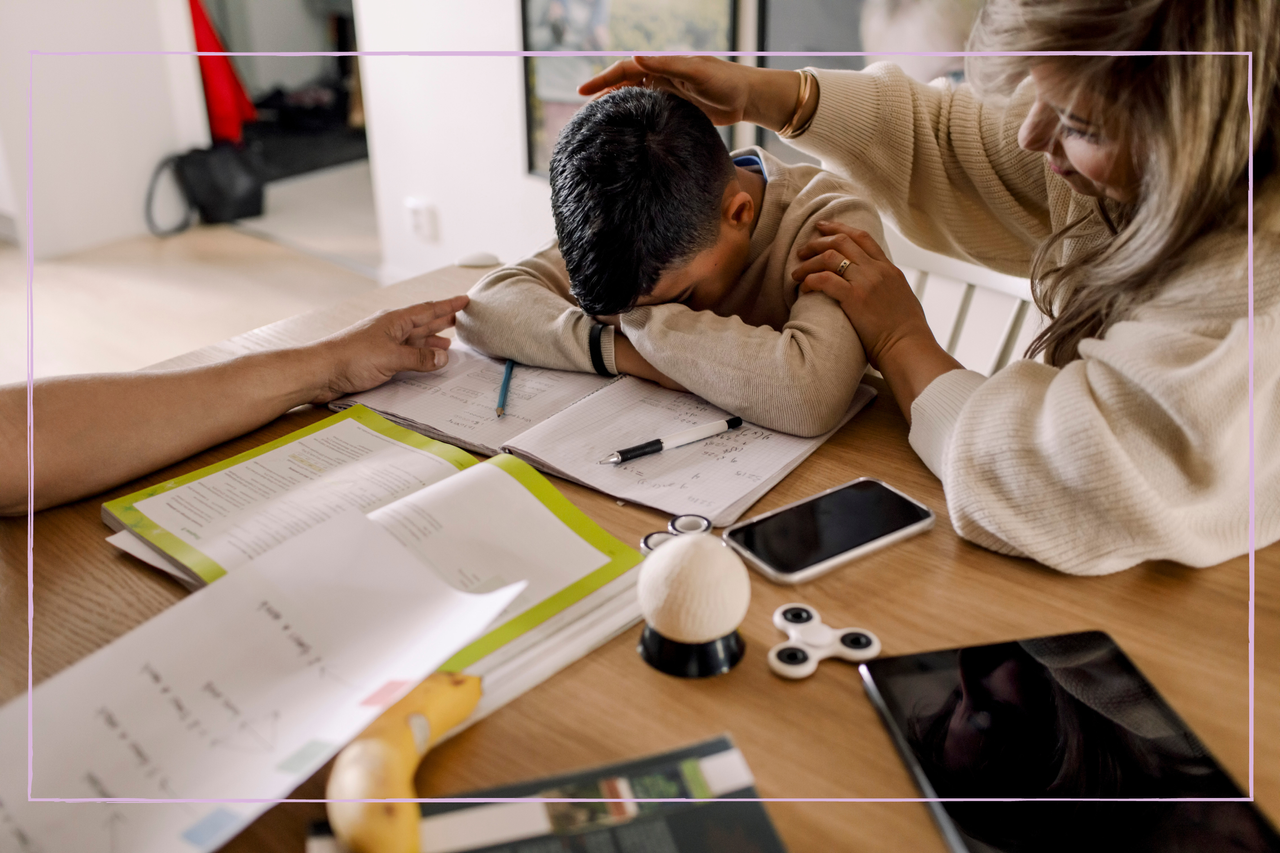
(1066, 717)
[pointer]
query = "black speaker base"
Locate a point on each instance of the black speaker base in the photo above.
(685, 660)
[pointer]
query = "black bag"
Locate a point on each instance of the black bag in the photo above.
(219, 182)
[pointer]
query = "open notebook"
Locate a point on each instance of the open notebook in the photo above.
(564, 423)
(477, 526)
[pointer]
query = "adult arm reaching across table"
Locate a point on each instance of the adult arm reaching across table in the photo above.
(95, 431)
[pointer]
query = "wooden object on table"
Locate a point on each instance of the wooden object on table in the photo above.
(1187, 629)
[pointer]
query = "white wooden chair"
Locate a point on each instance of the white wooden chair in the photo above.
(983, 318)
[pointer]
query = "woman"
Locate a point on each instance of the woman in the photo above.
(1119, 184)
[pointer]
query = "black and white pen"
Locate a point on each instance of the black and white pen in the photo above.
(658, 445)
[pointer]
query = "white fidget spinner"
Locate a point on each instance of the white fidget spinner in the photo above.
(809, 641)
(678, 526)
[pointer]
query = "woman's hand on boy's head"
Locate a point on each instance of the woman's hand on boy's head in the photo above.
(873, 293)
(715, 86)
(370, 352)
(728, 92)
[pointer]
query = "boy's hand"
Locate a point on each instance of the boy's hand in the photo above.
(628, 360)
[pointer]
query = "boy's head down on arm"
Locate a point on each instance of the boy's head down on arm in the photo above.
(649, 208)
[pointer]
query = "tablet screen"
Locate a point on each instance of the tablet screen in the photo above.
(1057, 717)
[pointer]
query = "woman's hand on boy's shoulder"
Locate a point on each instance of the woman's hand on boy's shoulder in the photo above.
(848, 265)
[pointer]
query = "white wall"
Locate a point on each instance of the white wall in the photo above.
(449, 130)
(101, 123)
(8, 201)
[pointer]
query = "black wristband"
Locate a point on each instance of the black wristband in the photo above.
(597, 352)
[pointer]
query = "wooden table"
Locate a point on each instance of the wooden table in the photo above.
(820, 738)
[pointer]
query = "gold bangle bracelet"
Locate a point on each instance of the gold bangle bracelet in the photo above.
(804, 128)
(789, 129)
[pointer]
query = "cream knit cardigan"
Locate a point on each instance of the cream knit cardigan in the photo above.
(1139, 449)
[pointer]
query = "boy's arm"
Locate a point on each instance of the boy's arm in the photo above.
(800, 379)
(526, 312)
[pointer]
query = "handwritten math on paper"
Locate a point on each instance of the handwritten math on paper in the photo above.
(710, 477)
(239, 691)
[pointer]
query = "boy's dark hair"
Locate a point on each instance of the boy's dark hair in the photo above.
(636, 183)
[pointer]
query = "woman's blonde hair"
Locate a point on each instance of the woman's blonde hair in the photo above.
(1186, 117)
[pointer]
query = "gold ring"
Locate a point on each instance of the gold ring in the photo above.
(844, 265)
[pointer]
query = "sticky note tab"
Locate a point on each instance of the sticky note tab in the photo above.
(304, 757)
(694, 780)
(212, 830)
(385, 694)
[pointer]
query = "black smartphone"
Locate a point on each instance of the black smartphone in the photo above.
(804, 539)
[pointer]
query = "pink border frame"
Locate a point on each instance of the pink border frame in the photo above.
(30, 257)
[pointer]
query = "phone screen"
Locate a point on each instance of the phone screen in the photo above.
(828, 525)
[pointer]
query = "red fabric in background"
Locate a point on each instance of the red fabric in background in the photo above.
(224, 95)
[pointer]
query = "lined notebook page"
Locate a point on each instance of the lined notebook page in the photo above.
(719, 477)
(456, 403)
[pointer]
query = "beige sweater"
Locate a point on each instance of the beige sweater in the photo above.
(781, 359)
(1138, 450)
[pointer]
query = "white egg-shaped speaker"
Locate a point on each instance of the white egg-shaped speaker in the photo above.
(694, 589)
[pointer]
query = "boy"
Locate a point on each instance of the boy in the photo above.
(673, 264)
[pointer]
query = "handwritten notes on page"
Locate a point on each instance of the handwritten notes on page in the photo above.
(456, 404)
(240, 691)
(719, 477)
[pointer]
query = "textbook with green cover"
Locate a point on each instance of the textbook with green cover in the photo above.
(478, 525)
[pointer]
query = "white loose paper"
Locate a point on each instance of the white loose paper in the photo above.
(240, 691)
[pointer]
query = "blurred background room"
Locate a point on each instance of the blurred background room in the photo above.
(357, 172)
